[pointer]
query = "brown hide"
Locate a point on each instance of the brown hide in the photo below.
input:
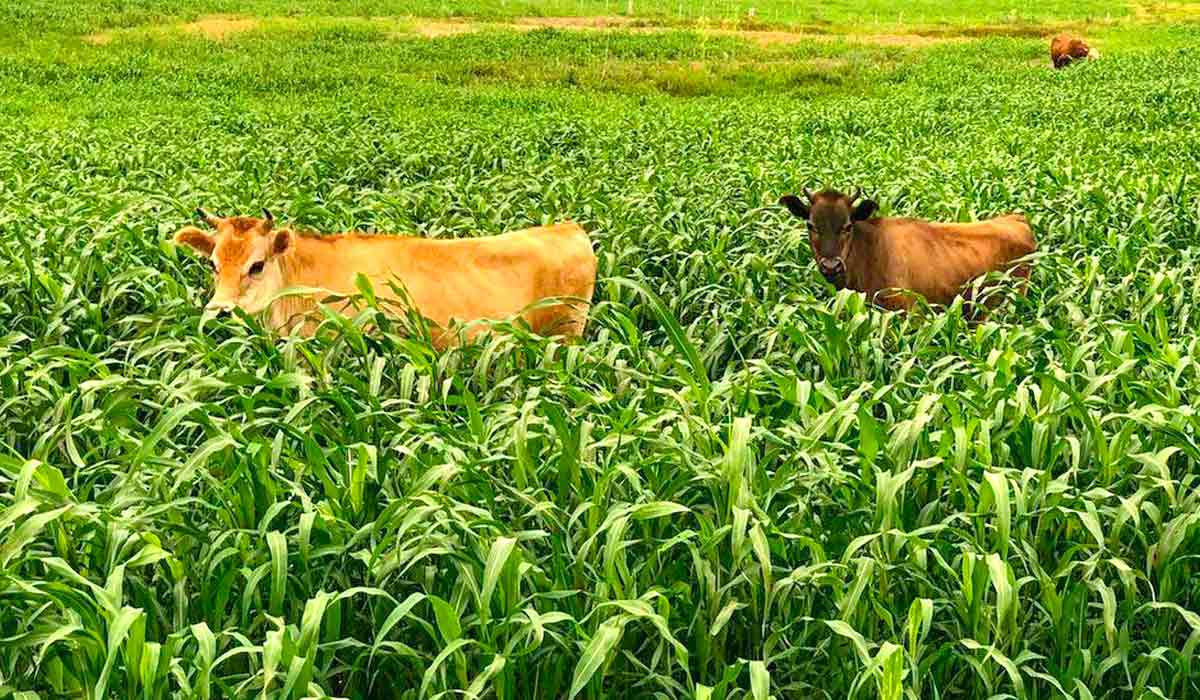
(1065, 49)
(935, 260)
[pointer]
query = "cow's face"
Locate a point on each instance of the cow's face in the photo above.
(831, 217)
(1081, 51)
(245, 256)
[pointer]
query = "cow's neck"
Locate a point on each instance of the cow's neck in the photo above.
(306, 264)
(298, 263)
(864, 261)
(296, 269)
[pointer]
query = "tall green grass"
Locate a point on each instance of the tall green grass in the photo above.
(743, 485)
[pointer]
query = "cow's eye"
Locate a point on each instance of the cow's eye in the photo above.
(256, 269)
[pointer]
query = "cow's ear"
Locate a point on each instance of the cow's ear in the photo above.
(865, 210)
(281, 242)
(199, 241)
(795, 205)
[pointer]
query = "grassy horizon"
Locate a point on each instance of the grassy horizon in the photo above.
(75, 16)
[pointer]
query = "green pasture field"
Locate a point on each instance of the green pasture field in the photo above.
(837, 15)
(742, 484)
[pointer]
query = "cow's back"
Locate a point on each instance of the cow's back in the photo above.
(498, 277)
(463, 280)
(937, 259)
(996, 236)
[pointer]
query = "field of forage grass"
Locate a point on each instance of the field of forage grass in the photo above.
(742, 485)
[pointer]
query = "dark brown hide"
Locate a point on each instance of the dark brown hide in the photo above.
(1065, 49)
(883, 257)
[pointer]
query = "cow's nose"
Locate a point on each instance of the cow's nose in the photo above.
(832, 266)
(218, 310)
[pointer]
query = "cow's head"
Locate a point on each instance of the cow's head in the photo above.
(831, 217)
(1065, 49)
(1081, 51)
(245, 255)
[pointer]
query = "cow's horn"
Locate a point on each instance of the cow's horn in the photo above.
(206, 217)
(857, 193)
(808, 193)
(270, 219)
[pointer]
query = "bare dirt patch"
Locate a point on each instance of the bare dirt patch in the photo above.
(903, 39)
(601, 22)
(218, 28)
(221, 27)
(1159, 11)
(435, 29)
(762, 37)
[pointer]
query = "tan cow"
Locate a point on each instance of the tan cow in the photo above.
(882, 256)
(1065, 49)
(461, 280)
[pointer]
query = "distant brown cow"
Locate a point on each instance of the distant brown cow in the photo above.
(1065, 49)
(464, 280)
(880, 257)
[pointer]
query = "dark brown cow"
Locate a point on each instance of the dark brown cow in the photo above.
(884, 257)
(1066, 49)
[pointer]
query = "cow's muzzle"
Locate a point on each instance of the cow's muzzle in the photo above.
(218, 310)
(832, 268)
